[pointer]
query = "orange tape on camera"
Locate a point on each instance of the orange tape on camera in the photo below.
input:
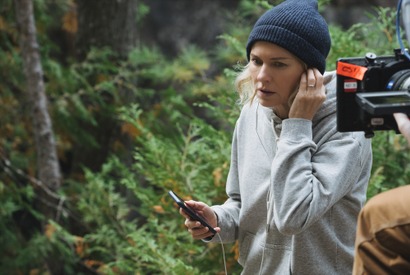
(350, 70)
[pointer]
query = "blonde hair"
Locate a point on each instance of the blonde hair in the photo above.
(244, 85)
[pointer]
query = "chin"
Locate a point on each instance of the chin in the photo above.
(267, 99)
(266, 103)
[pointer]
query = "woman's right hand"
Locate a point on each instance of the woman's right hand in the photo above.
(195, 228)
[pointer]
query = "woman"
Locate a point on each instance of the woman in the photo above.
(295, 184)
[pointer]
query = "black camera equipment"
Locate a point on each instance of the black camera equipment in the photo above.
(369, 90)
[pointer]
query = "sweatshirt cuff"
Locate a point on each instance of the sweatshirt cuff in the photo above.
(295, 129)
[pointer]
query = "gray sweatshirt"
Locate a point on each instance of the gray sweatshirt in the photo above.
(295, 188)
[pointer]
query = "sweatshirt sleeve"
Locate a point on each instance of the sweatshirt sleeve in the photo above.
(228, 213)
(307, 179)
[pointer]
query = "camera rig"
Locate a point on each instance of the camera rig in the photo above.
(369, 90)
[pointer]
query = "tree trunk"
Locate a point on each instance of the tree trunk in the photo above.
(110, 23)
(173, 25)
(113, 24)
(47, 162)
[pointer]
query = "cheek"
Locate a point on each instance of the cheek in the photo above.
(291, 84)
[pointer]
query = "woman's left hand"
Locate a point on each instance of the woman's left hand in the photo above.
(311, 95)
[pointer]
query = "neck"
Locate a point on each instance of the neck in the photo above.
(281, 111)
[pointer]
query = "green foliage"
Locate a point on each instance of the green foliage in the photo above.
(391, 167)
(130, 130)
(377, 36)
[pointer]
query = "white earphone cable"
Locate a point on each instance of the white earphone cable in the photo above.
(223, 253)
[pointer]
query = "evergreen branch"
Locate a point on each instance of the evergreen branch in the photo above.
(12, 172)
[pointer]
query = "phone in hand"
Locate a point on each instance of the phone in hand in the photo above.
(190, 212)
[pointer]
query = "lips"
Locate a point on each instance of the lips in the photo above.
(264, 91)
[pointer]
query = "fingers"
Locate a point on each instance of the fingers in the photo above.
(199, 233)
(182, 212)
(310, 96)
(197, 230)
(311, 79)
(318, 77)
(401, 118)
(403, 123)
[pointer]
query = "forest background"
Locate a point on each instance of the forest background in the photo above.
(131, 99)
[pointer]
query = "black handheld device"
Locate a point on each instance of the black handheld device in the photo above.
(191, 213)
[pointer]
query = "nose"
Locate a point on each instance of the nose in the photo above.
(263, 74)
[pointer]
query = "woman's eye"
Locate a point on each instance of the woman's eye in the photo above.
(256, 61)
(279, 65)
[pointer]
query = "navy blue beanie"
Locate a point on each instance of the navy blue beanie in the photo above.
(297, 26)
